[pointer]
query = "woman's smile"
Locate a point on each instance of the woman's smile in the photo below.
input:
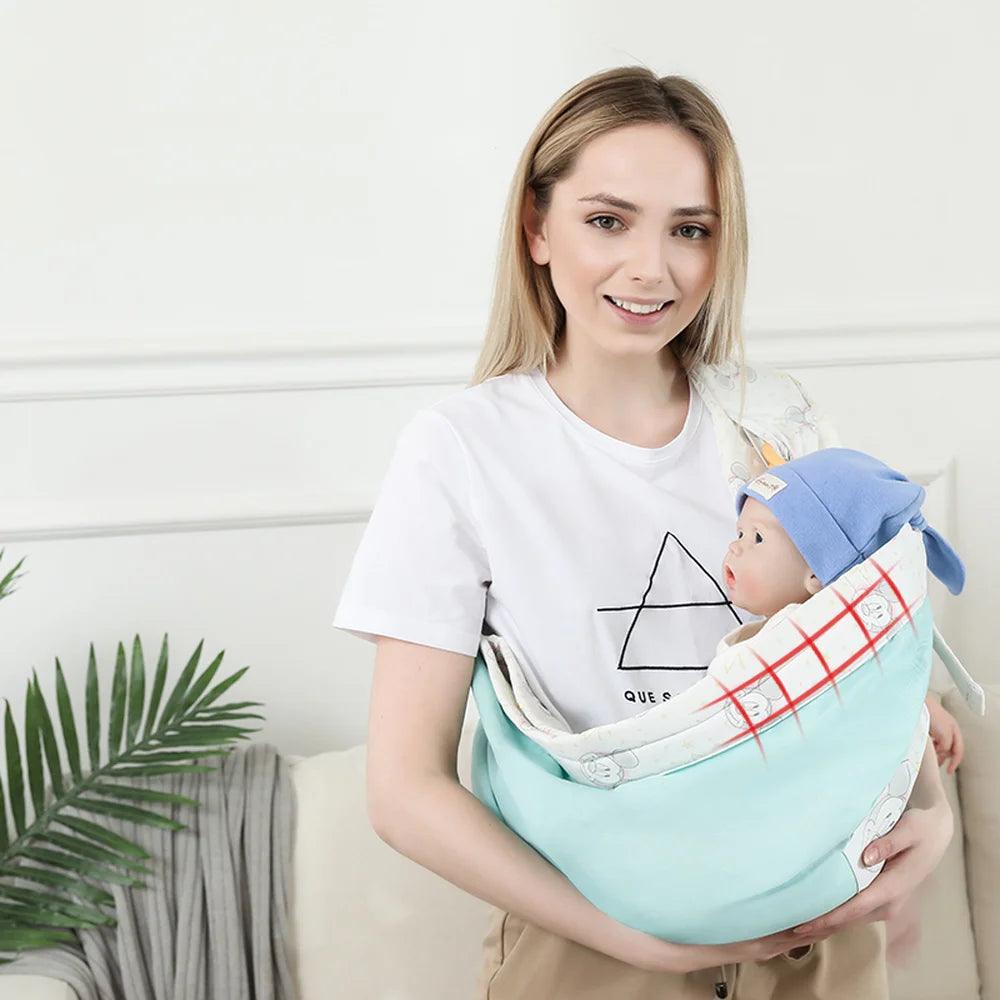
(639, 319)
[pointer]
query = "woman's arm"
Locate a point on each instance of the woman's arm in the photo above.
(928, 789)
(417, 805)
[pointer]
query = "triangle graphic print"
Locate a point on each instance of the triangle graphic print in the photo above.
(677, 581)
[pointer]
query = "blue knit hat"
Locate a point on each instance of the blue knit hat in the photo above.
(839, 506)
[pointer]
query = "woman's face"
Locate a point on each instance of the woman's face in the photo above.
(660, 246)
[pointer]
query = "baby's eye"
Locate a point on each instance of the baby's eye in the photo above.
(757, 537)
(739, 534)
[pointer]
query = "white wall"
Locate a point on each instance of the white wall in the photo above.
(240, 244)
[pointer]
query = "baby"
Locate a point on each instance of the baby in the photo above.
(805, 522)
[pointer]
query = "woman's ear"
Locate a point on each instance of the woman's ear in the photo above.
(813, 586)
(534, 229)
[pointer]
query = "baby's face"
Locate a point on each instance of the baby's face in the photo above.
(763, 570)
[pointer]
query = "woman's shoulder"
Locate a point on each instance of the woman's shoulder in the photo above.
(468, 417)
(484, 403)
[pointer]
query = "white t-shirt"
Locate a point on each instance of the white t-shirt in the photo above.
(598, 561)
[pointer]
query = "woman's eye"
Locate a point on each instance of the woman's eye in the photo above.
(701, 231)
(605, 228)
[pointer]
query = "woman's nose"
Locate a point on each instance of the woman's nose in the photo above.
(649, 260)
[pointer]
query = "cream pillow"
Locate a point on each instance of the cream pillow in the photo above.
(979, 791)
(367, 922)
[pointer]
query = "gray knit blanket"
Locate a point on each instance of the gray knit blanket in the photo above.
(213, 921)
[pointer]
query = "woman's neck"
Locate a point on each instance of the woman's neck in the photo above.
(639, 400)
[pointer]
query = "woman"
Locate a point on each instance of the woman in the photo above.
(574, 484)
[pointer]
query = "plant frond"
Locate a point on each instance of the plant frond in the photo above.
(216, 716)
(24, 938)
(53, 902)
(45, 876)
(176, 696)
(196, 735)
(136, 692)
(93, 712)
(33, 751)
(15, 778)
(61, 852)
(220, 688)
(68, 724)
(40, 915)
(5, 582)
(155, 769)
(48, 733)
(84, 849)
(140, 794)
(100, 834)
(194, 692)
(4, 832)
(162, 757)
(116, 717)
(59, 859)
(158, 682)
(229, 706)
(130, 813)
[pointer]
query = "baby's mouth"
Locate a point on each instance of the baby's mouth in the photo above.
(729, 576)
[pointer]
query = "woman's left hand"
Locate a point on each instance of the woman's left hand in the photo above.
(913, 847)
(946, 734)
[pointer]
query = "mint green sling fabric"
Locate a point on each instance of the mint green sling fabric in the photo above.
(731, 846)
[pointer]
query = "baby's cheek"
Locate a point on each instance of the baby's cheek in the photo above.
(751, 587)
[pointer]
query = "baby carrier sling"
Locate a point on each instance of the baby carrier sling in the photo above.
(741, 806)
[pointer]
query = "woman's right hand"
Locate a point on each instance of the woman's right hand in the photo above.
(646, 951)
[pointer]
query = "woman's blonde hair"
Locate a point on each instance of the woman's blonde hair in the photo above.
(526, 316)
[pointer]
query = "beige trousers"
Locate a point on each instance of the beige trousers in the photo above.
(523, 962)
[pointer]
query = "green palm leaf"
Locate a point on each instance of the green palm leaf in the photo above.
(5, 582)
(45, 864)
(44, 876)
(15, 777)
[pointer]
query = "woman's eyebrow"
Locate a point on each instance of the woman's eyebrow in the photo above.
(627, 206)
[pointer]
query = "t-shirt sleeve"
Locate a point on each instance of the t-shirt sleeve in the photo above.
(420, 571)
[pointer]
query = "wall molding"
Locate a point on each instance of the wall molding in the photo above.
(63, 520)
(41, 373)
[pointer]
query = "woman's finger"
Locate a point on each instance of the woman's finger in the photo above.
(958, 750)
(883, 890)
(898, 839)
(913, 847)
(861, 905)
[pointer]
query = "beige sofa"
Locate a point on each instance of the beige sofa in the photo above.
(369, 924)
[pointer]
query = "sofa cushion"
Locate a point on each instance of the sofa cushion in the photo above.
(367, 921)
(35, 988)
(977, 787)
(943, 964)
